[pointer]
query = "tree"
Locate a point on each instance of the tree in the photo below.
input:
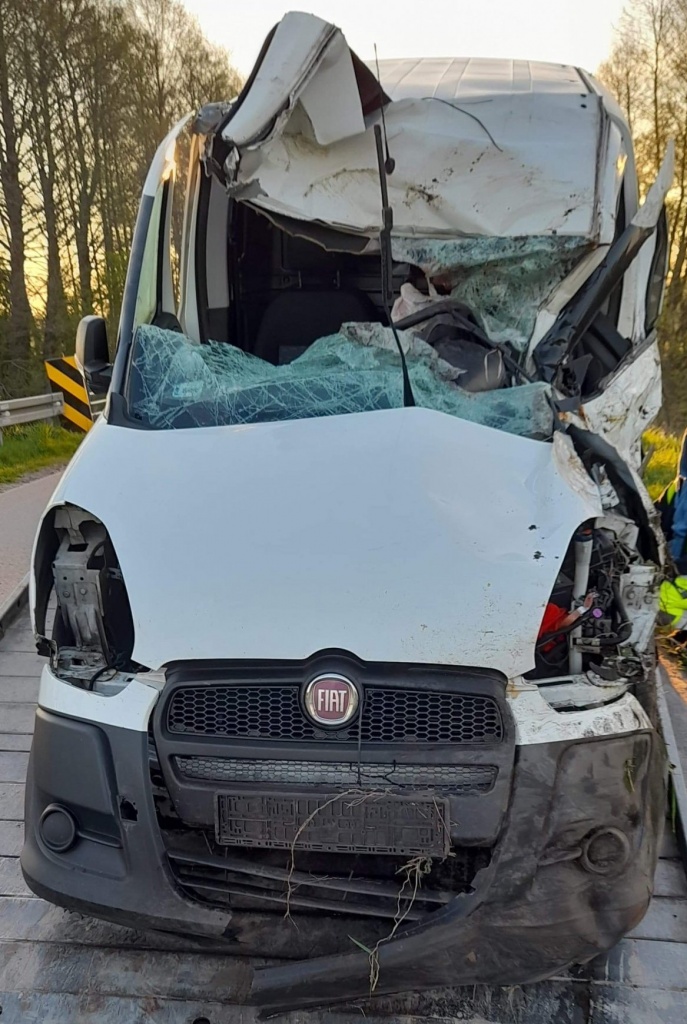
(88, 88)
(12, 126)
(647, 71)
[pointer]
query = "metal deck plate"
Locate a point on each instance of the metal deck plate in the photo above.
(60, 968)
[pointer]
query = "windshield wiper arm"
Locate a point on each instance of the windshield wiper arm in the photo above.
(387, 266)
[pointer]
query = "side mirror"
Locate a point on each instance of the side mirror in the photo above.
(92, 353)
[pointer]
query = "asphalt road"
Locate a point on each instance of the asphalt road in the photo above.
(21, 508)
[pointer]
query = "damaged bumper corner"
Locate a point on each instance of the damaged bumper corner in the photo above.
(536, 909)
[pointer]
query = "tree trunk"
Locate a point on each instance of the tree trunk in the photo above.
(83, 253)
(18, 346)
(54, 340)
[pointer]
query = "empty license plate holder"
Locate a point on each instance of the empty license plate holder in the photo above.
(346, 823)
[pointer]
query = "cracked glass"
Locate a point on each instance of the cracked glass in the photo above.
(177, 383)
(506, 281)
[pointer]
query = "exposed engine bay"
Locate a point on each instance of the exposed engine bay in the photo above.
(602, 611)
(92, 634)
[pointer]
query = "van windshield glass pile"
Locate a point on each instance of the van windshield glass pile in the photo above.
(177, 383)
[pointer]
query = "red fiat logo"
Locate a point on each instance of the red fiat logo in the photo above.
(331, 700)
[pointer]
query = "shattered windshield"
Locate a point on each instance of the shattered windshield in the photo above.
(506, 281)
(177, 383)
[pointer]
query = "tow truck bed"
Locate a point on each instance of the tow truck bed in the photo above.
(60, 968)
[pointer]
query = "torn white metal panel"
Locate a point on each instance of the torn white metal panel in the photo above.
(628, 405)
(637, 278)
(330, 99)
(648, 213)
(438, 544)
(469, 159)
(512, 166)
(163, 162)
(302, 44)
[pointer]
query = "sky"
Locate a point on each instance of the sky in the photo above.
(564, 31)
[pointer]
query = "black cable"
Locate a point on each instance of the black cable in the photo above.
(101, 672)
(467, 114)
(114, 666)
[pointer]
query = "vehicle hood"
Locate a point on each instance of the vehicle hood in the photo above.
(404, 535)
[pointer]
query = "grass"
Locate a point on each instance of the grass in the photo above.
(34, 446)
(663, 462)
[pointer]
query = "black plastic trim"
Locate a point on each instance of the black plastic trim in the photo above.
(200, 256)
(133, 277)
(162, 239)
(530, 915)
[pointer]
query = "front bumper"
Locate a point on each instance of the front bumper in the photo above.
(533, 911)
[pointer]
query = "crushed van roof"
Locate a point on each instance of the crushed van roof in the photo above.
(481, 147)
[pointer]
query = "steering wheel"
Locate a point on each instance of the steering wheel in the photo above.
(453, 306)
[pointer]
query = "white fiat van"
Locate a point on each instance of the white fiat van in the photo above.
(355, 581)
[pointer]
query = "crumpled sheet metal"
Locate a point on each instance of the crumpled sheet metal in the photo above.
(503, 165)
(178, 383)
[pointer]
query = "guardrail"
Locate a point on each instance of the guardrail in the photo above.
(29, 410)
(39, 407)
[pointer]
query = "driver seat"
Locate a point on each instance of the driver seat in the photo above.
(297, 317)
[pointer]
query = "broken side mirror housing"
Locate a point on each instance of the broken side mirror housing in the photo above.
(92, 353)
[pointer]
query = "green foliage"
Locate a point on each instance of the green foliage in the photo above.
(35, 446)
(88, 89)
(663, 462)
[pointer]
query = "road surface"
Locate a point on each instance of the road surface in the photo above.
(21, 508)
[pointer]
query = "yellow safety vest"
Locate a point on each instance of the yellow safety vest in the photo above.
(673, 601)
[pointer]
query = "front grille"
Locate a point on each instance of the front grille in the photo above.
(388, 715)
(448, 778)
(264, 712)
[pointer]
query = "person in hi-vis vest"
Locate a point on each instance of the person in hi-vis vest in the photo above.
(672, 508)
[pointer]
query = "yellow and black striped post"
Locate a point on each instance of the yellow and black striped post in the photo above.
(66, 379)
